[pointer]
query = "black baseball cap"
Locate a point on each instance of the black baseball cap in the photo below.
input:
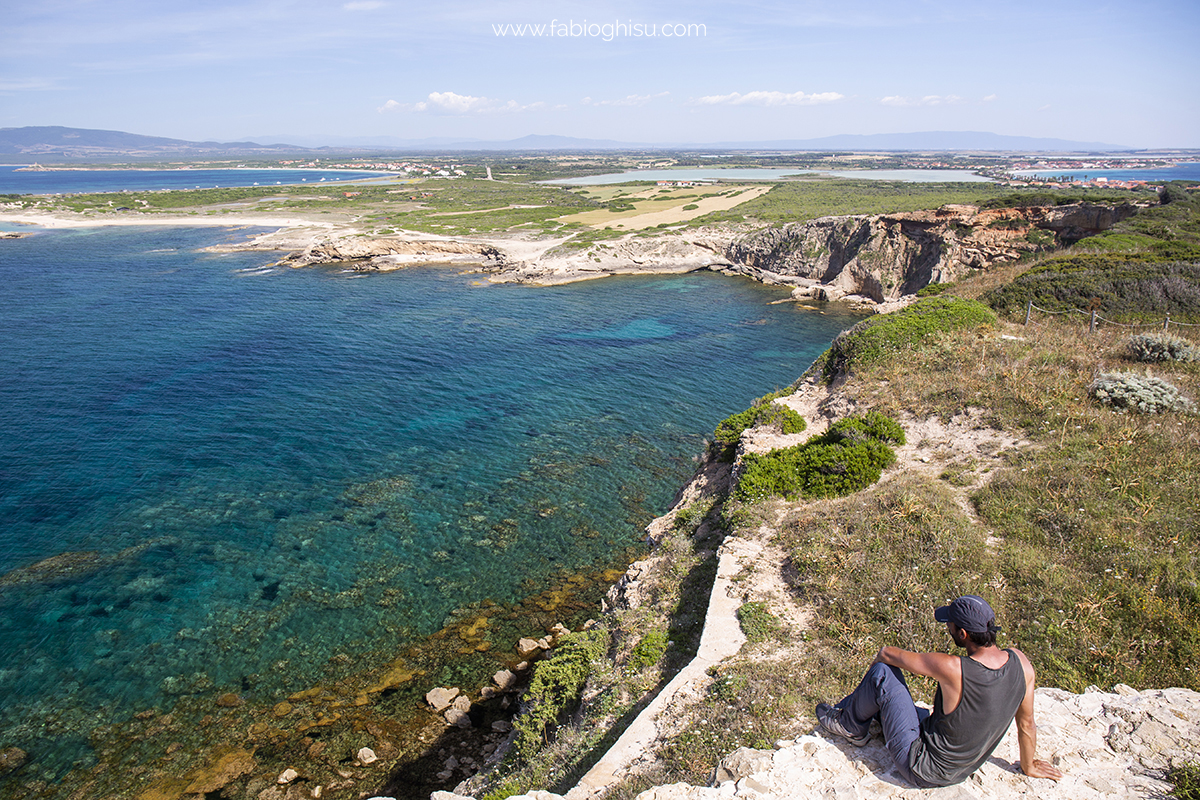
(969, 612)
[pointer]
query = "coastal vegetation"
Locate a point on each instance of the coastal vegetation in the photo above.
(876, 338)
(845, 459)
(1083, 536)
(762, 412)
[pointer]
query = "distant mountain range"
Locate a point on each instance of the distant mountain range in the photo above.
(57, 144)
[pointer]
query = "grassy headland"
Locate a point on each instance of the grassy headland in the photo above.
(1084, 535)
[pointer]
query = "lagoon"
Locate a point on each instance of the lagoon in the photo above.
(765, 173)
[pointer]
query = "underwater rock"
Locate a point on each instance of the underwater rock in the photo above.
(12, 759)
(282, 709)
(229, 700)
(228, 767)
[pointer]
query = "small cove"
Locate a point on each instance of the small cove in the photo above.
(250, 479)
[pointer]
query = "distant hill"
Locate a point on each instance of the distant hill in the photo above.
(57, 144)
(942, 140)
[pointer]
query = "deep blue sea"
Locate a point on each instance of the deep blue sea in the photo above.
(14, 180)
(253, 470)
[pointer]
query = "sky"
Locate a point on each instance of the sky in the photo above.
(1123, 73)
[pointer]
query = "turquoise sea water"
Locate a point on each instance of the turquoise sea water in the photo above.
(254, 470)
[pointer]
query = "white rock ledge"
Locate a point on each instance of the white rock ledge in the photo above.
(1108, 745)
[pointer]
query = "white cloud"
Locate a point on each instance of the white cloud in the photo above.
(363, 5)
(760, 98)
(989, 98)
(631, 100)
(453, 103)
(928, 100)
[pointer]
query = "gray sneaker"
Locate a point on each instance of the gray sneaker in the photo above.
(830, 718)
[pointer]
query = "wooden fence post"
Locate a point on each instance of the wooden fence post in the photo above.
(1167, 323)
(1092, 327)
(1028, 312)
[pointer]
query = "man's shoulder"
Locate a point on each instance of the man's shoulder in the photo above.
(1026, 664)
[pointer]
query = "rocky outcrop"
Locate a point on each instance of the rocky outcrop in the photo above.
(1108, 745)
(886, 256)
(631, 254)
(370, 254)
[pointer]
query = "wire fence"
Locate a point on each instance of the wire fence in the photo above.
(1096, 320)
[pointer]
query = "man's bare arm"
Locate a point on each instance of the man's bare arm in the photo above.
(1027, 730)
(941, 667)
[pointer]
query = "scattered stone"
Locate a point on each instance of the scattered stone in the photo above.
(742, 762)
(544, 643)
(462, 703)
(287, 776)
(12, 759)
(487, 693)
(527, 648)
(367, 756)
(502, 726)
(505, 680)
(457, 718)
(440, 699)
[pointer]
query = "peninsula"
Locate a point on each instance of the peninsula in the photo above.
(1014, 475)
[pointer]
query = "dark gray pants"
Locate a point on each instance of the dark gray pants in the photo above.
(883, 695)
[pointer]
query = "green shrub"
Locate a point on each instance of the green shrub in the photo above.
(932, 289)
(872, 425)
(1185, 781)
(764, 411)
(848, 457)
(879, 337)
(1145, 285)
(690, 207)
(556, 687)
(649, 651)
(757, 623)
(1127, 391)
(1161, 347)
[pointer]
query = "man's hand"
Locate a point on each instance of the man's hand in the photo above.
(1042, 769)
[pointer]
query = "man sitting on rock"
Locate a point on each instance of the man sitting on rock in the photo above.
(977, 698)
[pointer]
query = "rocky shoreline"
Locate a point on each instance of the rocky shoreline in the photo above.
(872, 260)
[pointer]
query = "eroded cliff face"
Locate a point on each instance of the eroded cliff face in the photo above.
(885, 256)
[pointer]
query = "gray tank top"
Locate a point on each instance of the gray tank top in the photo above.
(954, 745)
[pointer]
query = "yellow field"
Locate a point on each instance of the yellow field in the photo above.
(655, 205)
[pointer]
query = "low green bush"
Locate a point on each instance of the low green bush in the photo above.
(1185, 781)
(879, 337)
(649, 651)
(1161, 347)
(1127, 391)
(848, 457)
(556, 687)
(757, 623)
(764, 411)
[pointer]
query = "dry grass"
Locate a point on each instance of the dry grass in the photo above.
(1084, 540)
